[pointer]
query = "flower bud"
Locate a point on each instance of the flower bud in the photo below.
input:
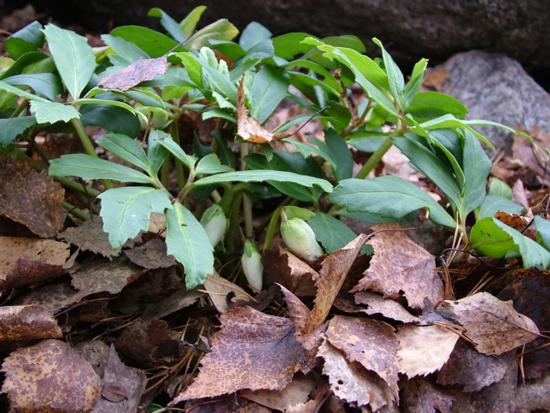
(300, 239)
(215, 224)
(253, 268)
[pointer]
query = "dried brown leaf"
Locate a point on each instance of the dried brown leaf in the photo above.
(90, 236)
(169, 305)
(297, 392)
(50, 377)
(105, 276)
(534, 396)
(151, 255)
(219, 289)
(132, 75)
(27, 322)
(420, 396)
(249, 128)
(493, 325)
(399, 264)
(533, 154)
(53, 297)
(252, 351)
(424, 349)
(371, 343)
(95, 352)
(387, 307)
(519, 195)
(31, 198)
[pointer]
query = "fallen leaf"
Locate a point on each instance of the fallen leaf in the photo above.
(297, 392)
(473, 370)
(371, 343)
(351, 382)
(169, 305)
(225, 405)
(53, 297)
(420, 396)
(27, 322)
(50, 377)
(249, 128)
(297, 310)
(424, 349)
(534, 396)
(493, 325)
(519, 195)
(252, 351)
(533, 154)
(122, 387)
(31, 198)
(151, 255)
(399, 264)
(435, 78)
(517, 222)
(90, 236)
(95, 352)
(387, 307)
(139, 71)
(219, 289)
(26, 261)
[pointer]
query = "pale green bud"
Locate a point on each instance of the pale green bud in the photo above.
(253, 267)
(215, 224)
(300, 239)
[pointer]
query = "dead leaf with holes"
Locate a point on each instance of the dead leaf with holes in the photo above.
(90, 236)
(151, 255)
(386, 307)
(27, 261)
(399, 264)
(251, 351)
(31, 198)
(494, 326)
(50, 377)
(424, 349)
(371, 343)
(139, 71)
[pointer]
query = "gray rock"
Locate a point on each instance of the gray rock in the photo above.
(495, 87)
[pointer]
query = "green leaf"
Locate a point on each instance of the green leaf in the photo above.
(28, 39)
(395, 76)
(269, 88)
(188, 242)
(476, 166)
(110, 102)
(192, 65)
(289, 45)
(221, 29)
(543, 231)
(263, 176)
(45, 84)
(388, 196)
(450, 122)
(73, 57)
(20, 92)
(128, 51)
(153, 43)
(170, 25)
(253, 34)
(292, 211)
(126, 211)
(24, 62)
(126, 149)
(51, 112)
(13, 127)
(494, 203)
(111, 118)
(496, 239)
(156, 152)
(170, 144)
(89, 167)
(500, 188)
(210, 164)
(415, 82)
(330, 232)
(430, 105)
(189, 23)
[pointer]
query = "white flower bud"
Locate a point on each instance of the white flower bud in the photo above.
(253, 268)
(300, 239)
(215, 224)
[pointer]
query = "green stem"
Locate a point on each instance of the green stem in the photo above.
(272, 228)
(165, 172)
(179, 166)
(19, 108)
(247, 204)
(77, 212)
(375, 158)
(86, 190)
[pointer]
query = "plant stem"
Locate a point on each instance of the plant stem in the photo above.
(375, 158)
(272, 228)
(86, 190)
(179, 166)
(77, 212)
(247, 204)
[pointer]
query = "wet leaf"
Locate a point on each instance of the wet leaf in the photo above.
(31, 198)
(252, 351)
(493, 325)
(50, 377)
(134, 74)
(90, 236)
(399, 264)
(151, 255)
(27, 322)
(388, 308)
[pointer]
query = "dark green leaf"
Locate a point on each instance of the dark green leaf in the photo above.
(24, 62)
(395, 76)
(543, 231)
(268, 89)
(13, 127)
(331, 232)
(28, 39)
(170, 25)
(111, 118)
(156, 152)
(153, 43)
(494, 203)
(430, 105)
(52, 112)
(128, 51)
(476, 166)
(253, 34)
(126, 149)
(221, 29)
(210, 164)
(169, 144)
(415, 82)
(45, 84)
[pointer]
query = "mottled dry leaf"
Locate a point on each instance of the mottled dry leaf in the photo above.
(151, 255)
(519, 195)
(399, 264)
(132, 75)
(423, 350)
(534, 396)
(371, 343)
(419, 396)
(219, 288)
(31, 198)
(95, 352)
(25, 261)
(334, 270)
(517, 222)
(169, 305)
(532, 154)
(387, 307)
(249, 128)
(297, 310)
(50, 377)
(252, 351)
(473, 370)
(493, 325)
(53, 297)
(105, 276)
(351, 382)
(297, 392)
(225, 405)
(27, 322)
(90, 236)
(122, 387)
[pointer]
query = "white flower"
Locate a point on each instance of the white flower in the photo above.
(215, 224)
(253, 268)
(300, 239)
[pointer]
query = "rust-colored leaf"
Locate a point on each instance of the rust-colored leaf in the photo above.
(371, 343)
(31, 198)
(95, 352)
(27, 322)
(151, 255)
(90, 236)
(252, 351)
(387, 307)
(493, 325)
(249, 128)
(26, 261)
(53, 297)
(420, 396)
(219, 290)
(50, 377)
(424, 349)
(399, 264)
(132, 75)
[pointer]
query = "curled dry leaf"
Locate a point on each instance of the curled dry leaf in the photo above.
(50, 377)
(31, 198)
(151, 255)
(371, 343)
(387, 307)
(351, 382)
(26, 261)
(399, 264)
(296, 393)
(90, 236)
(219, 289)
(132, 75)
(424, 349)
(492, 325)
(27, 322)
(252, 351)
(249, 128)
(420, 396)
